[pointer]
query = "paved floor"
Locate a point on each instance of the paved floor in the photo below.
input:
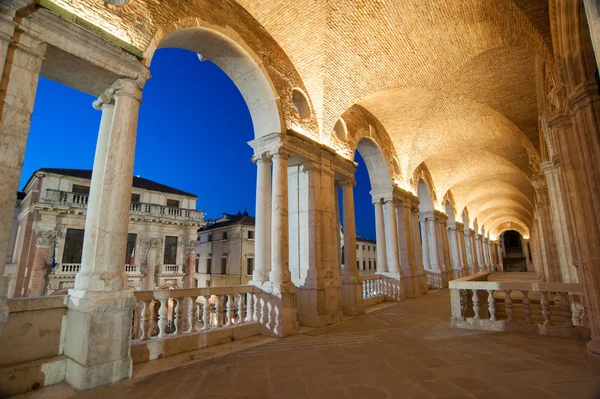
(404, 350)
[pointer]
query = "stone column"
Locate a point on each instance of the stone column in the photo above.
(417, 250)
(406, 248)
(445, 240)
(560, 222)
(479, 252)
(527, 255)
(262, 236)
(380, 237)
(395, 274)
(469, 250)
(352, 303)
(280, 271)
(22, 64)
(391, 236)
(101, 356)
(425, 244)
(38, 283)
(455, 250)
(486, 254)
(437, 276)
(153, 245)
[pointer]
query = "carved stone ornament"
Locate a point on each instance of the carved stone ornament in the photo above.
(45, 238)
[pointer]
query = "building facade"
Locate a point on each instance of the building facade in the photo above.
(46, 247)
(366, 255)
(225, 251)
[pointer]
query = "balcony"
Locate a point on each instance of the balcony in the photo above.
(78, 200)
(71, 269)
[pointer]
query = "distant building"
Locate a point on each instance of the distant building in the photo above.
(225, 251)
(366, 255)
(45, 250)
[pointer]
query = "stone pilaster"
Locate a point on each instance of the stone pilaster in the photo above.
(38, 283)
(547, 229)
(21, 62)
(352, 303)
(418, 248)
(98, 332)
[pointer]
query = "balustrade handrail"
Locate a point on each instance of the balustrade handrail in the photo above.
(466, 284)
(370, 277)
(194, 292)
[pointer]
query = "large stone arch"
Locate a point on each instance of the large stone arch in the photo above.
(422, 174)
(376, 163)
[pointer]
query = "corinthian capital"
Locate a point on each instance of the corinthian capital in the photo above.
(45, 238)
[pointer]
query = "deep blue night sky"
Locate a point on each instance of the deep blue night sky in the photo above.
(192, 134)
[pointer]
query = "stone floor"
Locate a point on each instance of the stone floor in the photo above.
(399, 350)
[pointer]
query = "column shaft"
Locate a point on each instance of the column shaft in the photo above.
(280, 271)
(380, 237)
(262, 237)
(406, 248)
(391, 237)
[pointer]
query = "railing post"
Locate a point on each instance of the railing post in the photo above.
(179, 315)
(492, 305)
(240, 309)
(206, 312)
(475, 305)
(526, 307)
(546, 308)
(163, 312)
(508, 305)
(565, 307)
(364, 288)
(193, 314)
(249, 307)
(146, 325)
(230, 310)
(219, 311)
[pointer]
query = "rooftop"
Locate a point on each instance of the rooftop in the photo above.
(138, 182)
(229, 219)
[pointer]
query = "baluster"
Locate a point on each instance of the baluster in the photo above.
(193, 314)
(526, 307)
(508, 305)
(179, 315)
(364, 288)
(546, 308)
(240, 309)
(369, 291)
(475, 305)
(249, 307)
(163, 312)
(206, 312)
(219, 311)
(145, 324)
(492, 305)
(565, 307)
(230, 310)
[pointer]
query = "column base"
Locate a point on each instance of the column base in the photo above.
(593, 346)
(3, 300)
(320, 306)
(412, 285)
(277, 308)
(423, 288)
(437, 279)
(352, 296)
(98, 338)
(394, 286)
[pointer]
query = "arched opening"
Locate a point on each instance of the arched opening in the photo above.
(425, 197)
(512, 244)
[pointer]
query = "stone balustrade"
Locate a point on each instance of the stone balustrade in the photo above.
(71, 269)
(373, 289)
(79, 200)
(212, 315)
(521, 306)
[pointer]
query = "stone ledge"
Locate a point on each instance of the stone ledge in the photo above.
(576, 332)
(158, 348)
(17, 305)
(28, 376)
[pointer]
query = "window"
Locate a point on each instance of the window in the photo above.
(208, 265)
(251, 234)
(173, 203)
(224, 236)
(209, 238)
(195, 282)
(81, 189)
(73, 246)
(197, 266)
(358, 264)
(170, 257)
(249, 266)
(130, 254)
(357, 246)
(363, 247)
(224, 265)
(135, 198)
(375, 264)
(364, 265)
(369, 265)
